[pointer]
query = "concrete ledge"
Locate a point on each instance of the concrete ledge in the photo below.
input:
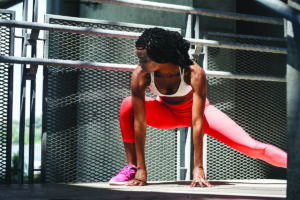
(233, 189)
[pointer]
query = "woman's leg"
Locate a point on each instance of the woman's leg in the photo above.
(221, 127)
(157, 115)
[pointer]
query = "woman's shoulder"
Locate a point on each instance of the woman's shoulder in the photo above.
(198, 76)
(197, 70)
(195, 67)
(140, 79)
(140, 74)
(193, 71)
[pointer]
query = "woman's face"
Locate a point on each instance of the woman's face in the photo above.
(145, 62)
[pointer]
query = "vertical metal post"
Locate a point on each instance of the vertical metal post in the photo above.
(44, 122)
(9, 124)
(197, 27)
(293, 89)
(188, 29)
(32, 76)
(23, 99)
(189, 152)
(192, 155)
(180, 154)
(293, 111)
(44, 110)
(31, 133)
(10, 107)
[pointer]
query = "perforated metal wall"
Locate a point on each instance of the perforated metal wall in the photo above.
(83, 141)
(5, 50)
(257, 106)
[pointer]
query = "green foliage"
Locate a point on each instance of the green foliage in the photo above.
(15, 140)
(38, 131)
(15, 170)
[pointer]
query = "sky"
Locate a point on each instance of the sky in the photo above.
(17, 72)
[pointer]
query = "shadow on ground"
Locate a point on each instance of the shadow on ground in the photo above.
(105, 192)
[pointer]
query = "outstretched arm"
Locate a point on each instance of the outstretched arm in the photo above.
(138, 87)
(198, 82)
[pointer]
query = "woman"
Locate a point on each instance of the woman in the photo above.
(180, 85)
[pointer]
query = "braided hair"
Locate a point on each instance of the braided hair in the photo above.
(165, 46)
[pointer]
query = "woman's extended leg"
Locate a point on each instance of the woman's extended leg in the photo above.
(221, 127)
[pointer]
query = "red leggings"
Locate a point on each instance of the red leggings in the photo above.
(215, 123)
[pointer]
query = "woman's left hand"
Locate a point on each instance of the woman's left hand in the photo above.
(199, 178)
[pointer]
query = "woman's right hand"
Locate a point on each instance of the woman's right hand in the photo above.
(140, 178)
(199, 178)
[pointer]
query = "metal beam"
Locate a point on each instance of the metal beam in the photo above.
(282, 9)
(8, 3)
(192, 10)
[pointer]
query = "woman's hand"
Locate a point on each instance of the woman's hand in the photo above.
(140, 178)
(199, 178)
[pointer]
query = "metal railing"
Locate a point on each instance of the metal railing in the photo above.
(192, 10)
(130, 35)
(120, 34)
(6, 93)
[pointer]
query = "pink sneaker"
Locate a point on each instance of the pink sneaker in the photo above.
(124, 176)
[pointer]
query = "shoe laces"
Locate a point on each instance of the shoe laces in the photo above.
(128, 170)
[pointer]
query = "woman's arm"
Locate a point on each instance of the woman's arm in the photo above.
(198, 83)
(138, 87)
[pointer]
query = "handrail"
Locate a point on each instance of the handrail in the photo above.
(69, 29)
(237, 46)
(66, 63)
(126, 67)
(192, 10)
(132, 35)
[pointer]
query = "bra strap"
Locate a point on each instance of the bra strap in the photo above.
(181, 73)
(152, 77)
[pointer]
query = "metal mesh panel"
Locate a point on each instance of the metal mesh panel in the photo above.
(5, 50)
(246, 62)
(83, 142)
(259, 107)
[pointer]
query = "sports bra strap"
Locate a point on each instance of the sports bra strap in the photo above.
(181, 74)
(152, 76)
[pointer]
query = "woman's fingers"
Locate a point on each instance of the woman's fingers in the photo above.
(201, 182)
(193, 184)
(207, 183)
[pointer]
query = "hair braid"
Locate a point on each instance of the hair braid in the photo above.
(165, 46)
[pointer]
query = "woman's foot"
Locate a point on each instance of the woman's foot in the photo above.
(124, 176)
